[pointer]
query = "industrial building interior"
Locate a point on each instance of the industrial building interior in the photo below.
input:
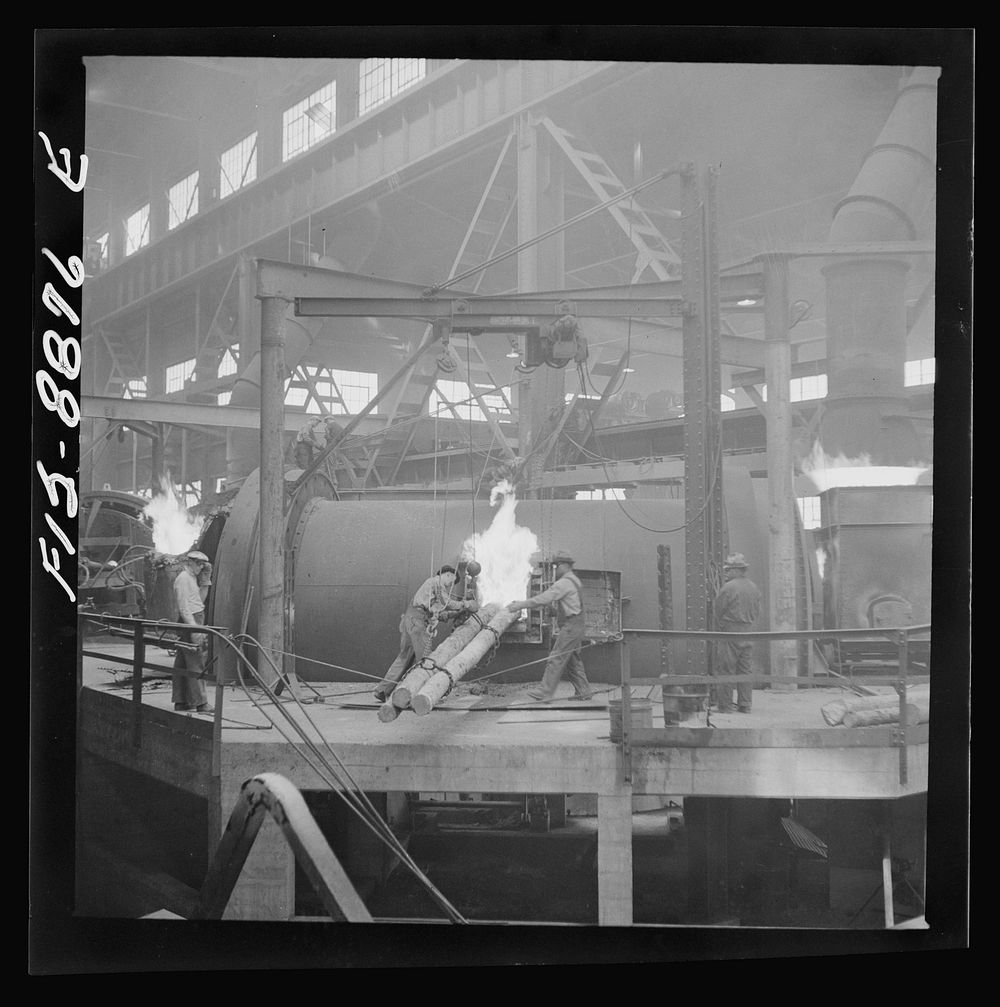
(349, 320)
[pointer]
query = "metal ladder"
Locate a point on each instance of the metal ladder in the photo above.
(655, 252)
(124, 365)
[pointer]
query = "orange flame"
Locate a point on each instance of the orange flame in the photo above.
(829, 471)
(504, 551)
(174, 529)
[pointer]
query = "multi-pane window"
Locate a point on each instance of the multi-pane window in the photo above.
(137, 230)
(382, 79)
(357, 389)
(228, 363)
(238, 166)
(96, 254)
(308, 121)
(182, 201)
(327, 389)
(809, 512)
(135, 388)
(812, 386)
(457, 394)
(177, 374)
(611, 493)
(919, 372)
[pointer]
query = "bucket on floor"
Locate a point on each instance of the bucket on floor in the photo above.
(642, 715)
(680, 701)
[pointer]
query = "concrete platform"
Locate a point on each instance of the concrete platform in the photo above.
(782, 749)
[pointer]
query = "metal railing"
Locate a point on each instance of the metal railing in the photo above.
(901, 733)
(145, 632)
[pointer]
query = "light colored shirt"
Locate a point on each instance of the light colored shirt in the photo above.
(566, 592)
(187, 597)
(434, 594)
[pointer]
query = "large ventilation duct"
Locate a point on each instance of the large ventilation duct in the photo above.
(891, 200)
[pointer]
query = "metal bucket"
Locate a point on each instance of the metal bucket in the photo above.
(642, 715)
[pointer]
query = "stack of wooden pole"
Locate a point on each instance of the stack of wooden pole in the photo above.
(418, 676)
(460, 665)
(869, 711)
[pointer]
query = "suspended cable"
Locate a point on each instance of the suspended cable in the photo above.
(345, 786)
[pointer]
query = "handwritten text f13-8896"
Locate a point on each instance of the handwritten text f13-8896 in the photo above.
(62, 354)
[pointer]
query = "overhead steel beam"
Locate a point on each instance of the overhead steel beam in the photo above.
(195, 415)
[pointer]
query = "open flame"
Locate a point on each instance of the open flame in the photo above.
(174, 529)
(504, 551)
(828, 471)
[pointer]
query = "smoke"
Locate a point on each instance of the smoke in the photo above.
(828, 471)
(174, 529)
(504, 551)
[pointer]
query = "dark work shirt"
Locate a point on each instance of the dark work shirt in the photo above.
(737, 603)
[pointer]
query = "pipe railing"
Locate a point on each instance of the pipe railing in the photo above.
(900, 635)
(140, 639)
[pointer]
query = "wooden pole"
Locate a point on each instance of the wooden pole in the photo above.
(419, 676)
(440, 682)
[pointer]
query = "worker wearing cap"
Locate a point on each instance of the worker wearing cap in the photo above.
(566, 595)
(736, 608)
(432, 602)
(189, 598)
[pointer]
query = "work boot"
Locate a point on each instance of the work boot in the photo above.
(539, 697)
(204, 708)
(581, 697)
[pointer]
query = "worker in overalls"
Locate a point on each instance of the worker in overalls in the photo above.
(189, 598)
(418, 624)
(566, 595)
(736, 608)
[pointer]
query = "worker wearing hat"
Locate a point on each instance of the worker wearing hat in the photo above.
(736, 608)
(566, 595)
(433, 602)
(190, 592)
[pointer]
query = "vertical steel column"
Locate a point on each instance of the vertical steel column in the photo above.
(271, 531)
(157, 475)
(539, 207)
(781, 523)
(713, 378)
(702, 390)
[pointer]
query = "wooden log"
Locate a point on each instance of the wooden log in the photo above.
(834, 713)
(915, 714)
(388, 712)
(418, 677)
(440, 682)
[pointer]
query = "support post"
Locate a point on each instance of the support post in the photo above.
(614, 859)
(270, 552)
(702, 423)
(539, 207)
(781, 523)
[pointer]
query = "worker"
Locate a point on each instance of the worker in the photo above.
(736, 608)
(418, 624)
(465, 587)
(189, 692)
(566, 594)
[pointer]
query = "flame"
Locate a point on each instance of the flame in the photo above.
(174, 530)
(828, 471)
(504, 551)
